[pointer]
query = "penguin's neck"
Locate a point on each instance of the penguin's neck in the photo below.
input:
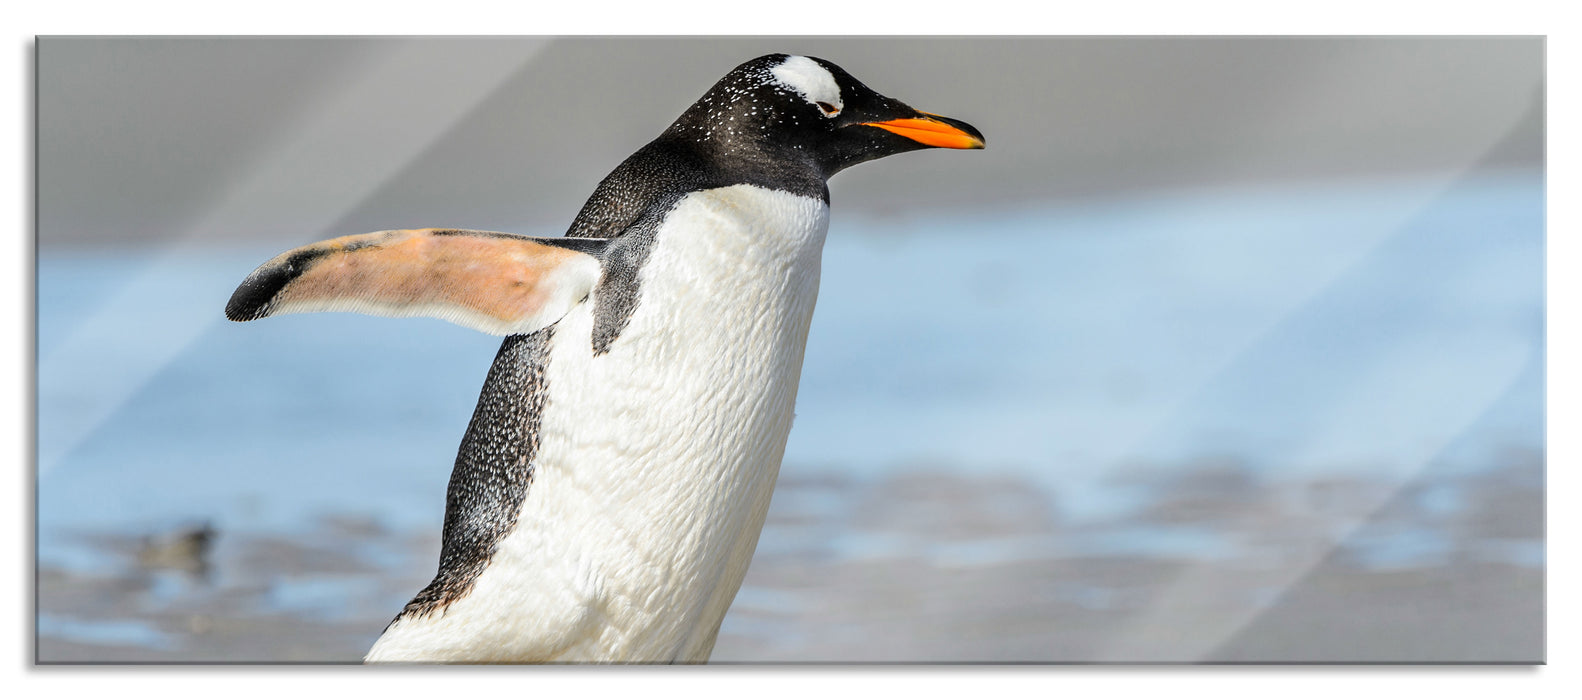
(680, 161)
(655, 460)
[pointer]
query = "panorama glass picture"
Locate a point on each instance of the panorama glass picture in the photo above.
(790, 350)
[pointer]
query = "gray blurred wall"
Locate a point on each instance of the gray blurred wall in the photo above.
(138, 139)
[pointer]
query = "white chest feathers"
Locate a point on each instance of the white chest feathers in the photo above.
(656, 460)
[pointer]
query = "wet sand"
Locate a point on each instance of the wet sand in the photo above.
(1217, 565)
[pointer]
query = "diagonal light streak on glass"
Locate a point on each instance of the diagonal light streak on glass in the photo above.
(1338, 77)
(389, 111)
(1295, 292)
(1190, 619)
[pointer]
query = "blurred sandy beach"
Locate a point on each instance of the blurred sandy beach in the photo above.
(935, 567)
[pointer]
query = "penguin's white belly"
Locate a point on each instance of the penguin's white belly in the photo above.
(656, 460)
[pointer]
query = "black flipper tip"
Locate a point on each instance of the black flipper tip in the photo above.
(255, 297)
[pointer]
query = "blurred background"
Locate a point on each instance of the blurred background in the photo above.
(1249, 364)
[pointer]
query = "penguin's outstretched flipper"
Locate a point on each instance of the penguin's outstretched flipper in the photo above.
(497, 283)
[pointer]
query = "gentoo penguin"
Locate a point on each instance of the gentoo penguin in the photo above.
(610, 489)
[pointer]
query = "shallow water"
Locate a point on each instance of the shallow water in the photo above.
(929, 567)
(1147, 380)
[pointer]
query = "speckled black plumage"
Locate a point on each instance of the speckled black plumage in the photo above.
(493, 471)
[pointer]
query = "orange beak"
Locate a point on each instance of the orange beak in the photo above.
(931, 132)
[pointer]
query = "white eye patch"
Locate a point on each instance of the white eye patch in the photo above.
(812, 81)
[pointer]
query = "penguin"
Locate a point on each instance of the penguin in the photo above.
(609, 491)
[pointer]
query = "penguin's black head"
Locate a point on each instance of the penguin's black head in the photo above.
(798, 109)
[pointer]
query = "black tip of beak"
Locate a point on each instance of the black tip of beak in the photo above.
(963, 127)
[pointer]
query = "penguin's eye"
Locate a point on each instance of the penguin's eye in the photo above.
(829, 109)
